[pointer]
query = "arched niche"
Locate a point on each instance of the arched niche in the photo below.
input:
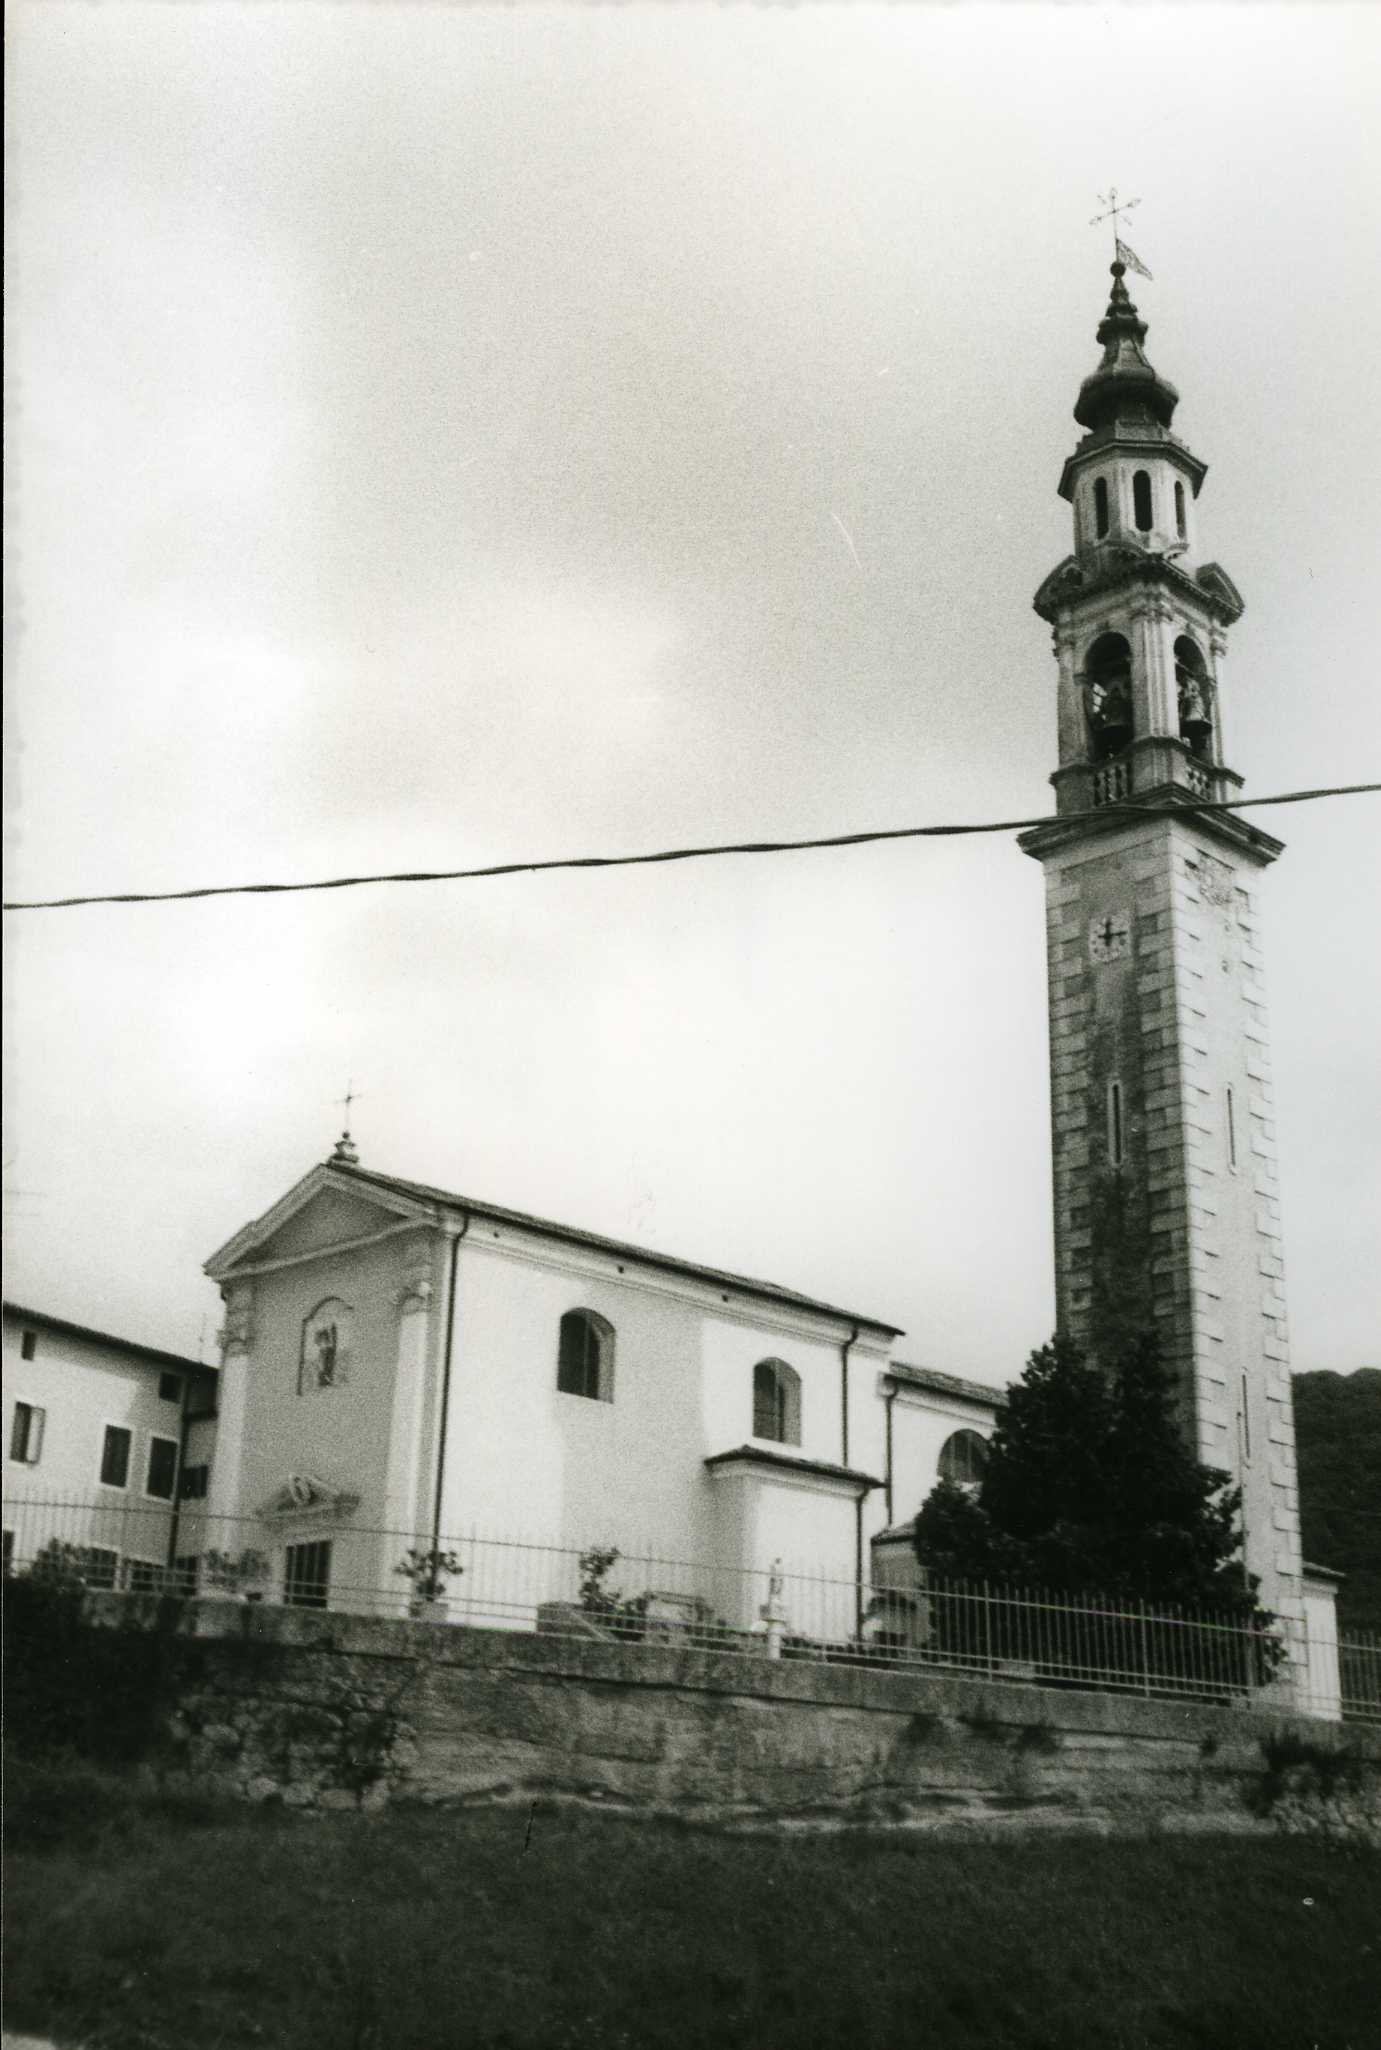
(1108, 695)
(1194, 697)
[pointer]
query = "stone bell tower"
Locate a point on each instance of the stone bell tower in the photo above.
(1166, 1212)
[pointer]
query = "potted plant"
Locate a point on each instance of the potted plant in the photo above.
(428, 1569)
(234, 1576)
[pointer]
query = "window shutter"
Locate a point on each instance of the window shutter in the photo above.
(37, 1419)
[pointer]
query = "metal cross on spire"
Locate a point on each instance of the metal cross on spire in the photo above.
(1122, 251)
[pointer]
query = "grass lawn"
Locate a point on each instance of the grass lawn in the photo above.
(135, 1920)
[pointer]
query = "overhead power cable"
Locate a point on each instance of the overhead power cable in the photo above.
(514, 868)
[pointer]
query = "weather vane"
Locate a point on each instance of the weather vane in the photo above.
(1122, 251)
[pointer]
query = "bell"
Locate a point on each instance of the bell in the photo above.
(1114, 721)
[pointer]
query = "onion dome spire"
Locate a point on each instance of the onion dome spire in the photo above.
(1124, 386)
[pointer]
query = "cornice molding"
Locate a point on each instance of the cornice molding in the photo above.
(757, 1313)
(757, 1462)
(1129, 569)
(1225, 827)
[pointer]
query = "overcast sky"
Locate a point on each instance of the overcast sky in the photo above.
(441, 436)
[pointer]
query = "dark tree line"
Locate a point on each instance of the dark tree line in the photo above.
(1338, 1444)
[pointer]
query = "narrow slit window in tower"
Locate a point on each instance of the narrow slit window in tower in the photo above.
(1116, 1134)
(1181, 524)
(1141, 500)
(1100, 507)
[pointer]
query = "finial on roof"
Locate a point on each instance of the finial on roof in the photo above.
(1124, 386)
(346, 1154)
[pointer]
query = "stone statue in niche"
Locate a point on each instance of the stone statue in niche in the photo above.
(324, 1361)
(325, 1338)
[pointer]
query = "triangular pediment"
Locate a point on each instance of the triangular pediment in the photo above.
(1213, 578)
(306, 1495)
(321, 1212)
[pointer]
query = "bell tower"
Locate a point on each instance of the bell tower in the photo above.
(1166, 1211)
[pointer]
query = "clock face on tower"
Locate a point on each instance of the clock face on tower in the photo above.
(1109, 936)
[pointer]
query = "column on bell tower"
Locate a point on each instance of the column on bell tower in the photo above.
(1165, 1196)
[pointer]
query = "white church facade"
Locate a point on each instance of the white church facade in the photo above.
(405, 1366)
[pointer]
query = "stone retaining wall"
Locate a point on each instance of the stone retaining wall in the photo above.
(321, 1710)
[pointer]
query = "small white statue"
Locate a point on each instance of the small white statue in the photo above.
(773, 1610)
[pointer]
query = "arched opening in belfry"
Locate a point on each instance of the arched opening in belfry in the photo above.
(1194, 692)
(1181, 516)
(1100, 507)
(1108, 695)
(1141, 501)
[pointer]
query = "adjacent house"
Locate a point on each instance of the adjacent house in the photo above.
(106, 1440)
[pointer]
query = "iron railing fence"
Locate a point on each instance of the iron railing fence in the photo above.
(638, 1596)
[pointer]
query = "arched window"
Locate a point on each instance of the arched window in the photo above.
(1195, 695)
(1181, 521)
(585, 1356)
(777, 1402)
(324, 1357)
(964, 1458)
(1108, 689)
(1141, 500)
(1100, 507)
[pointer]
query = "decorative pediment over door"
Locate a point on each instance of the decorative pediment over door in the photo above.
(303, 1495)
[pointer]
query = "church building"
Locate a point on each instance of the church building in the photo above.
(407, 1366)
(400, 1358)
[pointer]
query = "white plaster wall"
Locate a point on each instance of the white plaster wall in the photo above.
(1323, 1679)
(82, 1387)
(565, 1473)
(920, 1426)
(812, 1529)
(731, 1349)
(805, 1524)
(526, 1460)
